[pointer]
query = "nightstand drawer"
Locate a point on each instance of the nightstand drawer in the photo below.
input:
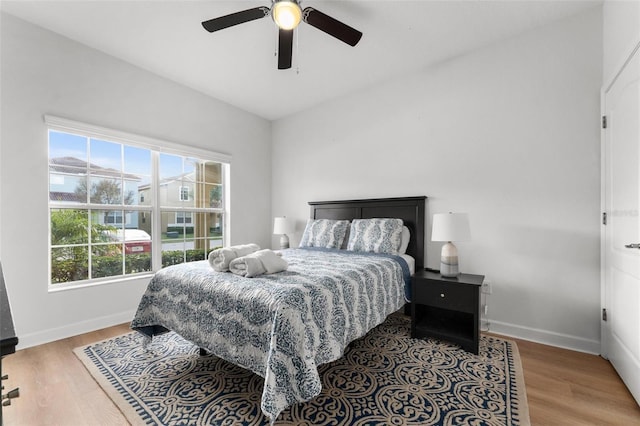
(446, 296)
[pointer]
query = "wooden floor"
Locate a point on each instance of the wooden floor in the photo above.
(563, 387)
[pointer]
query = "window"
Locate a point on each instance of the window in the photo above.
(184, 217)
(114, 217)
(184, 193)
(120, 206)
(190, 219)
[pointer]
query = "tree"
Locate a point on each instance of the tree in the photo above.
(105, 191)
(69, 226)
(70, 230)
(215, 196)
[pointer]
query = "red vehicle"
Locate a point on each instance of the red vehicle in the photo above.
(136, 241)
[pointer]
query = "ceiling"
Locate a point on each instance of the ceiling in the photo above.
(237, 65)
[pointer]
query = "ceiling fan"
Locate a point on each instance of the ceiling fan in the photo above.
(287, 14)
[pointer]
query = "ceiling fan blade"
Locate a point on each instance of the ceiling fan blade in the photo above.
(241, 17)
(331, 26)
(285, 49)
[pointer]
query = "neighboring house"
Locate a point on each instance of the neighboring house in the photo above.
(186, 191)
(68, 183)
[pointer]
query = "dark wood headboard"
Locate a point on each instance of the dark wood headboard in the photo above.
(410, 209)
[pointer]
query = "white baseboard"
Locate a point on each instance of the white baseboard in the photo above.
(53, 334)
(546, 337)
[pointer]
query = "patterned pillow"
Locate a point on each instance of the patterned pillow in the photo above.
(326, 233)
(376, 235)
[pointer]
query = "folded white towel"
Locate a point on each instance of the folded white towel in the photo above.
(219, 259)
(258, 263)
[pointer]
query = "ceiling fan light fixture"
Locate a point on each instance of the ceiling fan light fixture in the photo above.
(286, 14)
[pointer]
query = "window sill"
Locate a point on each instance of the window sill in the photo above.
(54, 288)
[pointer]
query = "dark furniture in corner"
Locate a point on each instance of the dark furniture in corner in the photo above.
(8, 339)
(447, 308)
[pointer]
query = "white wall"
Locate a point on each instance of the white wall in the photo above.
(43, 73)
(509, 134)
(621, 34)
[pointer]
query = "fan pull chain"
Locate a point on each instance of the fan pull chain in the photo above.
(297, 35)
(275, 42)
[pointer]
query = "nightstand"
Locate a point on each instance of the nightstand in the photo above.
(447, 308)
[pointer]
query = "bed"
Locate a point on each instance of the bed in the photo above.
(283, 326)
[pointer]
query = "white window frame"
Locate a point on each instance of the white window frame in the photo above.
(157, 147)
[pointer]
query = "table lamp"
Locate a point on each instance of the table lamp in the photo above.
(450, 227)
(283, 226)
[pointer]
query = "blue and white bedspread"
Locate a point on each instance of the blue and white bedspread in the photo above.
(280, 326)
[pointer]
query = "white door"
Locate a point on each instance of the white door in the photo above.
(621, 331)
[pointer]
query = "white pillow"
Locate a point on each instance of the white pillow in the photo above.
(406, 236)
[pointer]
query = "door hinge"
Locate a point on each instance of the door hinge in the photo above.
(604, 218)
(604, 314)
(604, 121)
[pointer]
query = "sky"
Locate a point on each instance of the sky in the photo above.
(112, 155)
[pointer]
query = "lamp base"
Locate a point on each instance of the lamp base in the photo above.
(449, 260)
(284, 242)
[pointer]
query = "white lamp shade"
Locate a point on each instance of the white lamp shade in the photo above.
(450, 227)
(282, 226)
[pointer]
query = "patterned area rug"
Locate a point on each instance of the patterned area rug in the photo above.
(385, 378)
